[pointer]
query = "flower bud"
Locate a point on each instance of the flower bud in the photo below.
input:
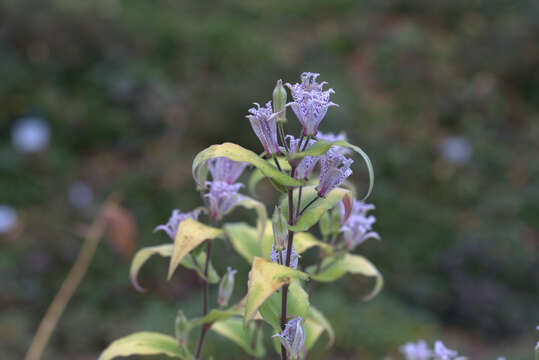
(325, 225)
(181, 328)
(280, 229)
(293, 339)
(226, 287)
(279, 102)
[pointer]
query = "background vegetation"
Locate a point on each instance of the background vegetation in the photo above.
(443, 95)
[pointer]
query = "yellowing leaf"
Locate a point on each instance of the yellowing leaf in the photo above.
(334, 268)
(190, 234)
(265, 278)
(321, 147)
(237, 153)
(145, 343)
(166, 251)
(142, 256)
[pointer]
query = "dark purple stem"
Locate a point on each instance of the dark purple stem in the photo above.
(205, 327)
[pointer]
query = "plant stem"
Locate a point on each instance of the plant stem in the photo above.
(299, 201)
(277, 163)
(70, 284)
(291, 221)
(205, 327)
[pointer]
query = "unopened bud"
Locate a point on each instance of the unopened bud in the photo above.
(279, 102)
(280, 229)
(325, 225)
(181, 328)
(226, 287)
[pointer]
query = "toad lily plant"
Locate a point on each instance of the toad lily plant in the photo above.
(311, 171)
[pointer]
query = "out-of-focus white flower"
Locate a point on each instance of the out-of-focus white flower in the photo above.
(416, 351)
(8, 218)
(226, 287)
(456, 150)
(81, 195)
(31, 134)
(443, 353)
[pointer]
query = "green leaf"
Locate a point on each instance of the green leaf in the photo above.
(257, 176)
(244, 240)
(213, 316)
(233, 330)
(166, 251)
(190, 234)
(317, 323)
(262, 215)
(321, 147)
(311, 216)
(333, 268)
(237, 153)
(265, 278)
(198, 265)
(145, 343)
(297, 305)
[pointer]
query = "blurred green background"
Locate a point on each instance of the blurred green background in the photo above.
(443, 95)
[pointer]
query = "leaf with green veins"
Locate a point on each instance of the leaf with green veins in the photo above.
(265, 278)
(311, 216)
(165, 250)
(237, 153)
(190, 234)
(321, 147)
(316, 317)
(145, 343)
(334, 268)
(244, 240)
(297, 305)
(233, 330)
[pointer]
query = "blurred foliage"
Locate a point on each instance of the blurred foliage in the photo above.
(133, 89)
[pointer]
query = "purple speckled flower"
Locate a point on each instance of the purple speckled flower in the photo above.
(357, 227)
(222, 197)
(443, 353)
(311, 102)
(171, 228)
(334, 169)
(294, 257)
(307, 164)
(224, 169)
(416, 351)
(263, 122)
(293, 338)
